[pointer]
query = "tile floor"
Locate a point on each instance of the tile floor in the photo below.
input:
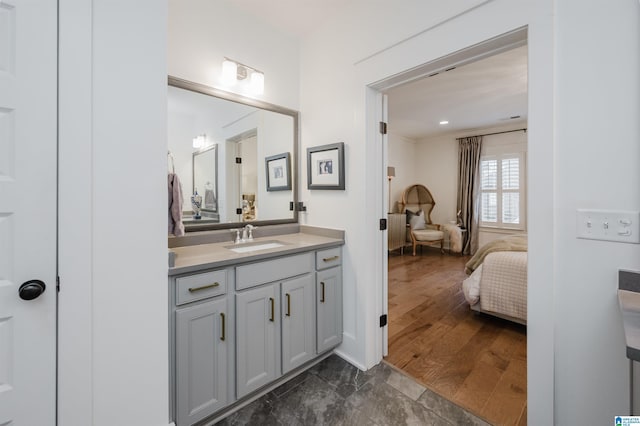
(334, 392)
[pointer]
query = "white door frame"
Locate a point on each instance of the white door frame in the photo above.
(491, 47)
(540, 105)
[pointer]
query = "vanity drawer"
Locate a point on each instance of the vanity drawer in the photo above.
(200, 286)
(273, 270)
(328, 258)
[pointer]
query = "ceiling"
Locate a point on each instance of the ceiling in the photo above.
(294, 17)
(481, 94)
(485, 93)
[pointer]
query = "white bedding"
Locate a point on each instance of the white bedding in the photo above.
(471, 287)
(500, 285)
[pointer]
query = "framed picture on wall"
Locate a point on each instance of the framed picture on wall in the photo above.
(278, 169)
(325, 167)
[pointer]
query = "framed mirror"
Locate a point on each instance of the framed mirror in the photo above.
(222, 146)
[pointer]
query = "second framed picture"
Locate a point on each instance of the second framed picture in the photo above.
(278, 169)
(325, 166)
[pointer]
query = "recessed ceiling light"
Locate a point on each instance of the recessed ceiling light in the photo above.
(443, 122)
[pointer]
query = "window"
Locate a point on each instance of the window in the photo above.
(502, 191)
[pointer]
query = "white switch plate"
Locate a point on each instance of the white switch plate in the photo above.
(608, 225)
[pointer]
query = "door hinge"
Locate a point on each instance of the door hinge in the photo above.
(383, 320)
(298, 206)
(238, 160)
(58, 284)
(383, 224)
(383, 127)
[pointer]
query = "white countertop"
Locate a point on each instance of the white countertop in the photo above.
(215, 255)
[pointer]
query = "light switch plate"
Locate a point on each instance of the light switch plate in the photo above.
(608, 225)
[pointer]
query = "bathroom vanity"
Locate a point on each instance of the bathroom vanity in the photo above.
(244, 318)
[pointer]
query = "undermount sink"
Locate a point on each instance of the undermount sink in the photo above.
(255, 246)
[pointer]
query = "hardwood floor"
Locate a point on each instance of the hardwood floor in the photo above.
(476, 361)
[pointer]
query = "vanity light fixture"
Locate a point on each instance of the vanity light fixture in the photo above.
(198, 141)
(229, 71)
(234, 71)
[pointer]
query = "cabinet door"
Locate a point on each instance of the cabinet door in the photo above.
(202, 343)
(298, 322)
(329, 308)
(257, 339)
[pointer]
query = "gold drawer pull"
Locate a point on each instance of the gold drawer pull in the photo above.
(329, 259)
(223, 326)
(273, 310)
(204, 287)
(322, 297)
(288, 305)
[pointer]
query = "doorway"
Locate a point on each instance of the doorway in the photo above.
(241, 166)
(476, 361)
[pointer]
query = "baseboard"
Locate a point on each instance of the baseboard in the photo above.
(350, 360)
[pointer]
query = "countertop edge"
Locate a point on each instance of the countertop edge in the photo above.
(173, 271)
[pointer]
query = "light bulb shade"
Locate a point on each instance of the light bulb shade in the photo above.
(391, 172)
(229, 72)
(257, 83)
(198, 141)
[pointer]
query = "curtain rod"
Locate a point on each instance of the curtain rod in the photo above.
(524, 129)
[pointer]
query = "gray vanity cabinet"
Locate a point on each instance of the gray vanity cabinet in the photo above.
(236, 330)
(298, 322)
(258, 337)
(202, 359)
(270, 340)
(275, 330)
(328, 299)
(203, 332)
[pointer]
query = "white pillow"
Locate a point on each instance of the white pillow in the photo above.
(417, 221)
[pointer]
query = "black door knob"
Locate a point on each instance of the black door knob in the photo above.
(31, 289)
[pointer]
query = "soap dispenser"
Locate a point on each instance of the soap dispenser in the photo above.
(196, 204)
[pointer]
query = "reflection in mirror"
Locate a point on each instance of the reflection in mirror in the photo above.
(220, 142)
(205, 171)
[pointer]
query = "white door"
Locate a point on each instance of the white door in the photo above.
(28, 86)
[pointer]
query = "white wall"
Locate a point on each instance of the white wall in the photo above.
(181, 130)
(402, 154)
(112, 283)
(203, 32)
(597, 153)
(335, 92)
(112, 248)
(574, 328)
(437, 169)
(275, 138)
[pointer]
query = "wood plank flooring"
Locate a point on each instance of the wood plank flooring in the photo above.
(477, 361)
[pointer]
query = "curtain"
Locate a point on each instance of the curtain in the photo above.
(468, 188)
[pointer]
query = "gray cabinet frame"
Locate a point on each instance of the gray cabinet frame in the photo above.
(329, 308)
(203, 343)
(208, 376)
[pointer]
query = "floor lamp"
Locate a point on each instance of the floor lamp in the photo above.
(391, 173)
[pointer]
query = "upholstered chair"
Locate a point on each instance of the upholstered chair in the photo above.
(417, 202)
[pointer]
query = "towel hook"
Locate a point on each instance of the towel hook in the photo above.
(170, 158)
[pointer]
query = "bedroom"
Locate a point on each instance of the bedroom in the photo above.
(476, 361)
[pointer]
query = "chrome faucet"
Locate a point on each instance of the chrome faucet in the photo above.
(247, 233)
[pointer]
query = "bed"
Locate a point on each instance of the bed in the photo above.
(497, 284)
